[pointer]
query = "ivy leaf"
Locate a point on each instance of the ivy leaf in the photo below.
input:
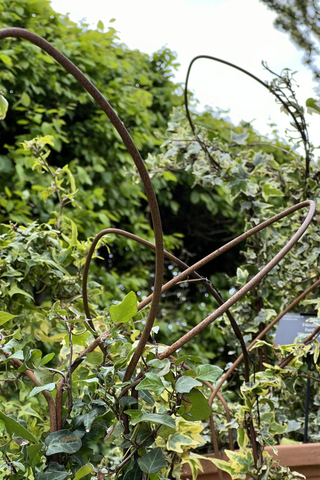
(312, 106)
(127, 401)
(164, 432)
(63, 441)
(146, 397)
(18, 354)
(288, 441)
(176, 441)
(315, 320)
(160, 367)
(185, 384)
(293, 426)
(137, 416)
(83, 471)
(6, 59)
(268, 418)
(192, 358)
(5, 317)
(283, 109)
(43, 376)
(13, 426)
(163, 419)
(151, 383)
(153, 462)
(28, 410)
(242, 438)
(87, 418)
(50, 387)
(123, 312)
(200, 409)
(143, 436)
(156, 363)
(33, 451)
(269, 191)
(80, 339)
(47, 358)
(242, 276)
(259, 159)
(95, 358)
(239, 138)
(239, 463)
(14, 290)
(35, 356)
(170, 176)
(133, 473)
(208, 373)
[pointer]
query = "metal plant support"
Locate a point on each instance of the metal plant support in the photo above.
(55, 406)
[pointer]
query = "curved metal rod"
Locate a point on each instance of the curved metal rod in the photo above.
(133, 151)
(216, 445)
(146, 243)
(261, 335)
(254, 281)
(191, 270)
(184, 266)
(175, 260)
(232, 65)
(228, 416)
(239, 239)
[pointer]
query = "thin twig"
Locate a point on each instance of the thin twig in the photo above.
(306, 375)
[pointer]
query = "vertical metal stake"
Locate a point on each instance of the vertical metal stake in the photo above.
(306, 417)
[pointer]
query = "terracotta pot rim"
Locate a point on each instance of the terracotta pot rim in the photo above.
(304, 458)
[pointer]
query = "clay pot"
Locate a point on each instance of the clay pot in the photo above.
(304, 459)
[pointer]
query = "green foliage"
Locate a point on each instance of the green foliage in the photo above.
(46, 338)
(127, 309)
(66, 410)
(153, 462)
(14, 427)
(260, 179)
(47, 103)
(300, 19)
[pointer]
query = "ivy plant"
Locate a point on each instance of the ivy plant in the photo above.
(101, 396)
(260, 179)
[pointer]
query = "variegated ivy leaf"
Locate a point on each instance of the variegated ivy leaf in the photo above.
(164, 419)
(177, 440)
